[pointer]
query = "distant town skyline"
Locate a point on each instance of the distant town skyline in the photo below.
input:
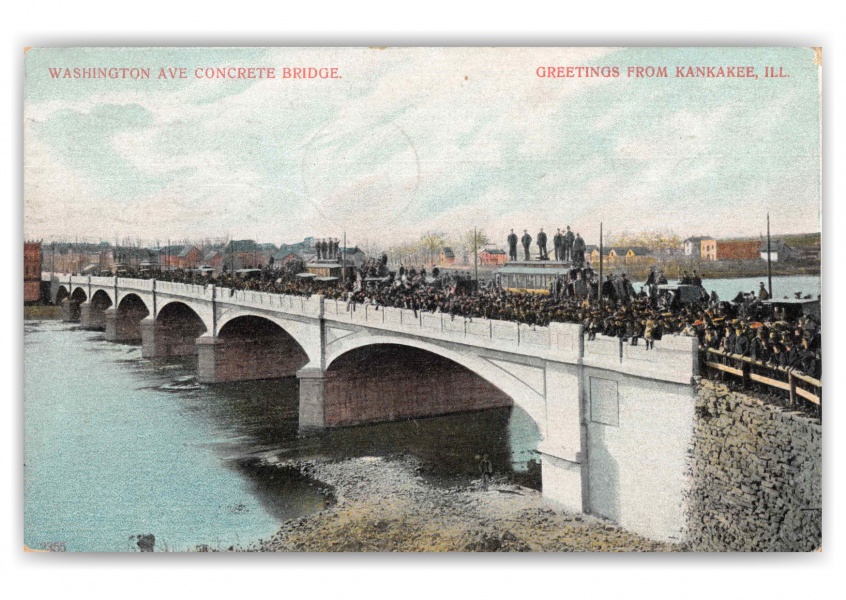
(415, 140)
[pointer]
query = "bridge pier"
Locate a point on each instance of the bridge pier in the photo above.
(221, 359)
(171, 339)
(91, 316)
(312, 397)
(70, 310)
(122, 326)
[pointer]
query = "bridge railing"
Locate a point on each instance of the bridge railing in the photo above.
(673, 358)
(796, 384)
(101, 281)
(298, 305)
(555, 339)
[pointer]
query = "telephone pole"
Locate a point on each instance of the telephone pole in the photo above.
(769, 260)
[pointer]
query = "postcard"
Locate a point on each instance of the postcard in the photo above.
(422, 299)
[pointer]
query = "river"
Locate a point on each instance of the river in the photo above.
(783, 285)
(117, 446)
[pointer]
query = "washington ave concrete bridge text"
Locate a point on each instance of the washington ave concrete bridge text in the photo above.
(616, 421)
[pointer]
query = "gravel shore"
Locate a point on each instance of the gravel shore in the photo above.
(385, 505)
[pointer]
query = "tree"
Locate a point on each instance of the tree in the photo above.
(431, 243)
(473, 241)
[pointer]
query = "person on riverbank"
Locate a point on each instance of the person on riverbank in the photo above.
(486, 471)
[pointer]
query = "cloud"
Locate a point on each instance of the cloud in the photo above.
(412, 140)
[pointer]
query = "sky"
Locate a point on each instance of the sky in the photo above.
(412, 140)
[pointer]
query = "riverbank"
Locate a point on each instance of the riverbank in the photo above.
(42, 312)
(387, 505)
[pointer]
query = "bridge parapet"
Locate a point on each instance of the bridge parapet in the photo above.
(101, 281)
(674, 358)
(139, 285)
(298, 305)
(559, 341)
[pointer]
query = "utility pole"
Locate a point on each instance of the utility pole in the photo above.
(344, 261)
(600, 263)
(769, 260)
(476, 258)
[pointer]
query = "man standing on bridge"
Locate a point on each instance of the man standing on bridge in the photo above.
(569, 239)
(542, 255)
(512, 245)
(558, 244)
(527, 242)
(578, 250)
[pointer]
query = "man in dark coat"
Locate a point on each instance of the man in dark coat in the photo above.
(542, 255)
(741, 343)
(608, 289)
(317, 249)
(569, 240)
(527, 242)
(758, 349)
(558, 244)
(512, 245)
(578, 250)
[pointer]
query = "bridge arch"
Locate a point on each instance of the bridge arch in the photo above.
(61, 293)
(124, 323)
(79, 295)
(524, 394)
(173, 332)
(249, 347)
(304, 334)
(93, 312)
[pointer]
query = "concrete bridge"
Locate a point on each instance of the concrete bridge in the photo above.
(616, 421)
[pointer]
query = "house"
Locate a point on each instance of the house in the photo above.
(32, 271)
(447, 256)
(779, 251)
(738, 249)
(638, 255)
(214, 259)
(245, 254)
(492, 257)
(702, 247)
(180, 257)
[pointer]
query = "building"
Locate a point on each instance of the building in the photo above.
(779, 251)
(304, 247)
(32, 271)
(738, 249)
(447, 256)
(702, 247)
(492, 257)
(180, 257)
(638, 255)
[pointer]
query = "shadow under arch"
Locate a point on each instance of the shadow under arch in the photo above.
(125, 324)
(177, 327)
(94, 314)
(250, 347)
(61, 294)
(387, 382)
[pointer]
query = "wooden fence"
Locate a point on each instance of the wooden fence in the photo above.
(796, 384)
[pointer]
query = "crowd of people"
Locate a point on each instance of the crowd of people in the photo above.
(743, 327)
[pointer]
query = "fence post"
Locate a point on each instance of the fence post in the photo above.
(745, 369)
(792, 381)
